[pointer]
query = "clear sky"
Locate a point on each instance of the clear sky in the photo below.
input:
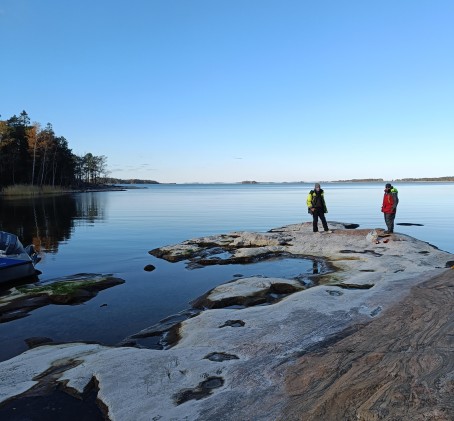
(233, 90)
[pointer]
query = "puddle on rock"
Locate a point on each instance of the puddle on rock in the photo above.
(303, 269)
(233, 323)
(203, 390)
(277, 267)
(220, 357)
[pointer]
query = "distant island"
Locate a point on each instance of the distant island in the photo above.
(381, 180)
(451, 178)
(111, 180)
(360, 180)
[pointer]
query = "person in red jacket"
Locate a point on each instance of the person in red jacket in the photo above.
(389, 206)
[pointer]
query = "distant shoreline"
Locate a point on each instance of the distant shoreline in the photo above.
(132, 186)
(446, 179)
(422, 180)
(398, 180)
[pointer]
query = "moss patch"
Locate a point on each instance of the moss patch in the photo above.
(74, 289)
(59, 288)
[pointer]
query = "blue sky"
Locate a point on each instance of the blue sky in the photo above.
(225, 91)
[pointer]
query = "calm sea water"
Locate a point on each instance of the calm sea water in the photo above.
(112, 232)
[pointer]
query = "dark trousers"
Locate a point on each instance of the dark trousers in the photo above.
(389, 220)
(318, 213)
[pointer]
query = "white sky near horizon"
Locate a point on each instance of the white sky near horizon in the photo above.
(226, 91)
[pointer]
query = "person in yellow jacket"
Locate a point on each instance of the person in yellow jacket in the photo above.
(316, 206)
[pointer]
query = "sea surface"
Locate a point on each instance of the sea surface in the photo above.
(111, 232)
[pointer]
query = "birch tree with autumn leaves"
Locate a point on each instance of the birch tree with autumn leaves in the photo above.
(30, 154)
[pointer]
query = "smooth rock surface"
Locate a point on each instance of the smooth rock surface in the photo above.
(246, 292)
(277, 357)
(400, 366)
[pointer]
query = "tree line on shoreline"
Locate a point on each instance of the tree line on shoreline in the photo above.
(32, 155)
(112, 180)
(35, 156)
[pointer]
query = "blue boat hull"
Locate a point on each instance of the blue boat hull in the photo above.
(12, 269)
(16, 262)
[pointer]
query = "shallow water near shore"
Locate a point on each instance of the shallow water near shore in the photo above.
(112, 232)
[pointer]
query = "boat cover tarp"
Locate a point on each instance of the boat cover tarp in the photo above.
(10, 244)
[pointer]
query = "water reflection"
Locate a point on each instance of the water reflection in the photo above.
(47, 221)
(315, 269)
(90, 207)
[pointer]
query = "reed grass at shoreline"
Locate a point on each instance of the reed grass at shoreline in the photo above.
(27, 190)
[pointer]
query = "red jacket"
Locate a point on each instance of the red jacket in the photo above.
(388, 203)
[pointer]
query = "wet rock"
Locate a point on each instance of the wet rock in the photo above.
(56, 404)
(203, 390)
(129, 343)
(167, 331)
(149, 268)
(351, 226)
(353, 286)
(49, 400)
(184, 252)
(205, 249)
(35, 341)
(408, 224)
(19, 308)
(73, 289)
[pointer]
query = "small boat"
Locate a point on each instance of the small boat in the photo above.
(16, 261)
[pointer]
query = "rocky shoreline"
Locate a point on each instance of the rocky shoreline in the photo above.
(399, 366)
(370, 339)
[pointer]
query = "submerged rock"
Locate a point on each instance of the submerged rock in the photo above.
(37, 341)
